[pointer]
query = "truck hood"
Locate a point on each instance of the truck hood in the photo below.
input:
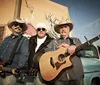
(91, 64)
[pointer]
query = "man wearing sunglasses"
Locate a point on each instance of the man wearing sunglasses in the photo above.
(14, 50)
(37, 44)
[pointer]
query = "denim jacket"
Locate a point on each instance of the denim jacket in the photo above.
(21, 54)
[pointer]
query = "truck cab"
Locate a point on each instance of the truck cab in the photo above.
(91, 65)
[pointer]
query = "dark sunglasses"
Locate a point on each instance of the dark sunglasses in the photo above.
(18, 24)
(39, 29)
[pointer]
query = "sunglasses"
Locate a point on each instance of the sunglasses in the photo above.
(18, 24)
(41, 29)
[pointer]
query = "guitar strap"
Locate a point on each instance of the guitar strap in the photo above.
(14, 51)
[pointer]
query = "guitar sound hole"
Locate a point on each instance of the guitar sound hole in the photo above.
(52, 62)
(61, 57)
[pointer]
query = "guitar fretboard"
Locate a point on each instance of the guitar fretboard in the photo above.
(5, 69)
(82, 46)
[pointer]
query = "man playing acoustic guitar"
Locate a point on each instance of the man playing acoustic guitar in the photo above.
(73, 75)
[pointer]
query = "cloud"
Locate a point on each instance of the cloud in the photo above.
(92, 28)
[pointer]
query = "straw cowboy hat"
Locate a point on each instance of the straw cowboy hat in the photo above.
(17, 22)
(64, 22)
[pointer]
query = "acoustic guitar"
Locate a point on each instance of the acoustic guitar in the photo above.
(21, 73)
(52, 63)
(4, 69)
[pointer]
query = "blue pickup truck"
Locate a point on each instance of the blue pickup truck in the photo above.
(91, 65)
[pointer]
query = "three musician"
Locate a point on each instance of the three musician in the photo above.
(42, 43)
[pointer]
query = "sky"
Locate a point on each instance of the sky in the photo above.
(86, 17)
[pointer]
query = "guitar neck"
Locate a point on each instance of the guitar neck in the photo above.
(82, 46)
(6, 69)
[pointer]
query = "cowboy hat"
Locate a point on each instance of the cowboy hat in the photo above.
(61, 23)
(19, 22)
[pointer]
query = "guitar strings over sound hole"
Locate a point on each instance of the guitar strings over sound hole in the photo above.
(61, 57)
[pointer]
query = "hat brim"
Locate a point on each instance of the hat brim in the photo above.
(24, 26)
(57, 26)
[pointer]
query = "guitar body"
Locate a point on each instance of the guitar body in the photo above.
(53, 62)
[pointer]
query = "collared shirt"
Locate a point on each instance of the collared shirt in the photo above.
(56, 42)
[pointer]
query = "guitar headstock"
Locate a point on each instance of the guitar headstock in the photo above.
(21, 75)
(99, 36)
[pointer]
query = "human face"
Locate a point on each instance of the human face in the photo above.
(16, 28)
(64, 31)
(41, 32)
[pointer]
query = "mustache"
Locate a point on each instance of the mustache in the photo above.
(63, 31)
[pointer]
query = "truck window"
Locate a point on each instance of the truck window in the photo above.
(91, 52)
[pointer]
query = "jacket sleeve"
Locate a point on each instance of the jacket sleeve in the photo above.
(50, 46)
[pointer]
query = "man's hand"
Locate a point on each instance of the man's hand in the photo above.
(71, 49)
(63, 45)
(14, 71)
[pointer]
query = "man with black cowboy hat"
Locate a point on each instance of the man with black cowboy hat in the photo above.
(14, 50)
(74, 74)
